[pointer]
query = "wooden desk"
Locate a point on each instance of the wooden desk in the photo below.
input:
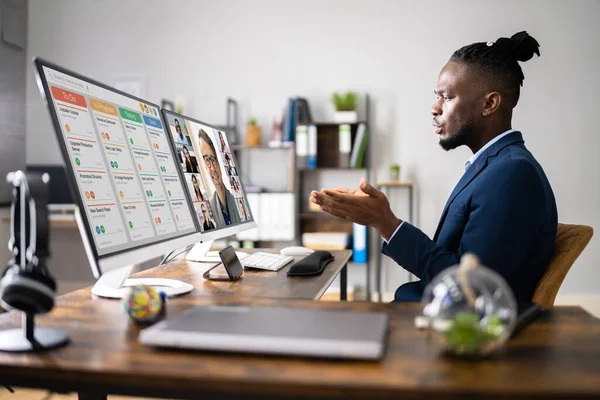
(557, 356)
(257, 283)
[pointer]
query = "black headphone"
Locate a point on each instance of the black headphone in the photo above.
(26, 283)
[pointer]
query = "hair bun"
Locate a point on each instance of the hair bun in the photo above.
(524, 46)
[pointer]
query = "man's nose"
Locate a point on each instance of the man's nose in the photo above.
(436, 110)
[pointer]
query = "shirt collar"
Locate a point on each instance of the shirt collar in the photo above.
(474, 157)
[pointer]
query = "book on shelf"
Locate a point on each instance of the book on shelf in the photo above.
(297, 111)
(289, 122)
(345, 144)
(303, 114)
(359, 147)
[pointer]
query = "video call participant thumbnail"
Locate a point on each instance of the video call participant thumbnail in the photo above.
(224, 146)
(180, 138)
(190, 164)
(243, 213)
(222, 201)
(208, 224)
(198, 196)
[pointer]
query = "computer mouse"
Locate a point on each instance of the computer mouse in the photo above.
(296, 251)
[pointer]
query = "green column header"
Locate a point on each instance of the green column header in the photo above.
(130, 115)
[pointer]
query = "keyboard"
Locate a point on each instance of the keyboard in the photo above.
(268, 261)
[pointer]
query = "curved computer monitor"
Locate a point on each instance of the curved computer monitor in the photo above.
(131, 198)
(212, 177)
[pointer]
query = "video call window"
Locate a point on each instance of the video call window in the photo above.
(211, 174)
(181, 134)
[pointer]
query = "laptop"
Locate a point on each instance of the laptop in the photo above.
(274, 330)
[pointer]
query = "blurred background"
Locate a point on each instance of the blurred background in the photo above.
(198, 54)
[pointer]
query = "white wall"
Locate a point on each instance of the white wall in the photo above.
(261, 52)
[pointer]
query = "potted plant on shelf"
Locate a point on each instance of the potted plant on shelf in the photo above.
(253, 138)
(345, 107)
(395, 172)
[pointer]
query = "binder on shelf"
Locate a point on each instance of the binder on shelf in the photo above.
(359, 147)
(292, 127)
(359, 243)
(312, 147)
(289, 124)
(267, 218)
(297, 112)
(254, 204)
(303, 115)
(345, 144)
(302, 145)
(286, 229)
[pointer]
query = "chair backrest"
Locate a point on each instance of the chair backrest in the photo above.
(568, 245)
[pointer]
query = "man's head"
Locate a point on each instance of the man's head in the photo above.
(177, 126)
(209, 155)
(478, 88)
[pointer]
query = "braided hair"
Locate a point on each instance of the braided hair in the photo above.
(498, 61)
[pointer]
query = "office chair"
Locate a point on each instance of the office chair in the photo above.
(568, 245)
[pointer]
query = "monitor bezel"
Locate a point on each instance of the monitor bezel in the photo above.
(107, 262)
(230, 230)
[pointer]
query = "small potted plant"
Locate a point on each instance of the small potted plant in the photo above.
(395, 172)
(253, 138)
(345, 107)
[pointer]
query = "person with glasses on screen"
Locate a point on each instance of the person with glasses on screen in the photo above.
(222, 201)
(208, 224)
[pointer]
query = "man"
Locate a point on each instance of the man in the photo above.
(502, 209)
(222, 201)
(208, 224)
(180, 136)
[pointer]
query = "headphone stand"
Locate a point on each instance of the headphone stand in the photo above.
(30, 339)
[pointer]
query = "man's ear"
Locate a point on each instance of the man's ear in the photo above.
(492, 103)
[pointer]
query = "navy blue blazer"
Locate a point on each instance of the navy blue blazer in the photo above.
(502, 209)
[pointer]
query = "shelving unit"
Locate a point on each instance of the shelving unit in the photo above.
(328, 162)
(385, 187)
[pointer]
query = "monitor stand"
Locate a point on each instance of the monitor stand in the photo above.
(114, 284)
(201, 253)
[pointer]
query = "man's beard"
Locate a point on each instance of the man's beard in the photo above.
(458, 139)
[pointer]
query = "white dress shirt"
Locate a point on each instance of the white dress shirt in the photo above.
(469, 162)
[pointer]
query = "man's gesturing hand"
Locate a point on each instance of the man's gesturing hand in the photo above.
(366, 206)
